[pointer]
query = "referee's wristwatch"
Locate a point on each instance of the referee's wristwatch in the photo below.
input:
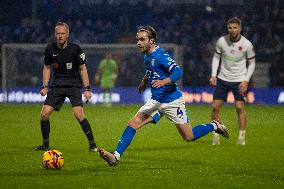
(87, 88)
(44, 86)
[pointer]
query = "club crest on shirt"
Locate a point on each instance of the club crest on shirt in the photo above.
(153, 62)
(240, 48)
(82, 56)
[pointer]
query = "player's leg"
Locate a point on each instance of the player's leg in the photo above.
(138, 121)
(104, 95)
(104, 88)
(108, 97)
(220, 95)
(86, 127)
(176, 112)
(110, 89)
(242, 121)
(75, 96)
(45, 126)
(145, 115)
(241, 114)
(191, 134)
(215, 115)
(54, 100)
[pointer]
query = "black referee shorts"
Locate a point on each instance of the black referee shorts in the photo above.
(224, 87)
(56, 97)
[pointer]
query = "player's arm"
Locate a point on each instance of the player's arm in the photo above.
(175, 75)
(115, 73)
(98, 76)
(143, 84)
(251, 66)
(85, 80)
(173, 68)
(215, 64)
(45, 79)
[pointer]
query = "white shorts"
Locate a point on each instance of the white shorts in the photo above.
(174, 111)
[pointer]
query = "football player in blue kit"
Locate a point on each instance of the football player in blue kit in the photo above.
(162, 73)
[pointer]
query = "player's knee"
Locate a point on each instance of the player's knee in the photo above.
(240, 110)
(188, 138)
(134, 122)
(44, 116)
(215, 108)
(79, 113)
(79, 117)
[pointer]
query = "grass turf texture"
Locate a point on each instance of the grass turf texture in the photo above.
(157, 158)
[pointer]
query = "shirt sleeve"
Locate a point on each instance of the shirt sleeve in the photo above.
(251, 62)
(218, 48)
(168, 62)
(80, 56)
(172, 67)
(47, 58)
(250, 52)
(216, 58)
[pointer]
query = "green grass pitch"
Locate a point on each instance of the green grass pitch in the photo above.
(157, 158)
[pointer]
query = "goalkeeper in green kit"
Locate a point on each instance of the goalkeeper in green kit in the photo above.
(106, 75)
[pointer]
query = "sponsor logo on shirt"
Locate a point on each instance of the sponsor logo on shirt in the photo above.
(55, 65)
(82, 56)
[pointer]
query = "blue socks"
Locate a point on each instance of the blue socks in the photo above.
(125, 139)
(129, 133)
(201, 130)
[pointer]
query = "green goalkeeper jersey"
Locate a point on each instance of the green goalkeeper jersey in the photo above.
(108, 69)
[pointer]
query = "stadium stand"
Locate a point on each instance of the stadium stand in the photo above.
(194, 25)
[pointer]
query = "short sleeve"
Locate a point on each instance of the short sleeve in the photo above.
(80, 56)
(47, 58)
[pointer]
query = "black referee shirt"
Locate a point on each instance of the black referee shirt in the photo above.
(65, 64)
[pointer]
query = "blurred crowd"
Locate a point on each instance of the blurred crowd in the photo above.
(195, 27)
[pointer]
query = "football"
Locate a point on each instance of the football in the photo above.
(52, 159)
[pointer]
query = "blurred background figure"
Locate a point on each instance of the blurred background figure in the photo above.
(106, 76)
(234, 52)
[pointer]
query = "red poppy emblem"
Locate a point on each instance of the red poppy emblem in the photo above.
(55, 65)
(240, 48)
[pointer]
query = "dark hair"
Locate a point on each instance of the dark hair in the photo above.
(152, 34)
(234, 20)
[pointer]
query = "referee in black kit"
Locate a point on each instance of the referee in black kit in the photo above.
(68, 63)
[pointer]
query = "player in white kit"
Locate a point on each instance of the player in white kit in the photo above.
(237, 57)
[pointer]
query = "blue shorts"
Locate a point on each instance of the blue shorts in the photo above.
(224, 87)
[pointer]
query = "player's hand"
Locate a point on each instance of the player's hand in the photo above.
(142, 87)
(97, 79)
(114, 77)
(243, 87)
(213, 81)
(160, 83)
(43, 91)
(87, 95)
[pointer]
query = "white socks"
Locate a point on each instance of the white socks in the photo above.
(117, 155)
(242, 133)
